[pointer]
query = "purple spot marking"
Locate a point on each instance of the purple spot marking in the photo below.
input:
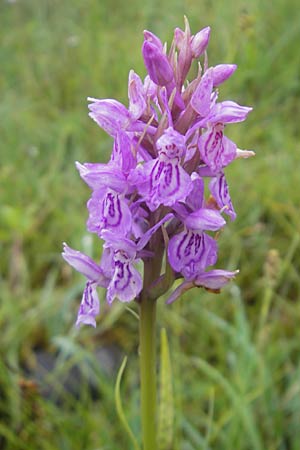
(124, 275)
(111, 209)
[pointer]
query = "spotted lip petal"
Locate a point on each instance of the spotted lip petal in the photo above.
(190, 252)
(216, 150)
(163, 181)
(126, 283)
(89, 307)
(169, 183)
(219, 190)
(108, 211)
(171, 144)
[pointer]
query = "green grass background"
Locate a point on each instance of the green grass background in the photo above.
(235, 356)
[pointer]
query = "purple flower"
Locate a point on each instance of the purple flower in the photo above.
(212, 280)
(126, 282)
(219, 190)
(108, 210)
(160, 197)
(216, 150)
(192, 250)
(163, 181)
(90, 306)
(112, 116)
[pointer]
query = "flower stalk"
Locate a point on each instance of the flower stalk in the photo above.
(148, 372)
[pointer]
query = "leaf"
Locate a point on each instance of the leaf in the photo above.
(166, 405)
(119, 406)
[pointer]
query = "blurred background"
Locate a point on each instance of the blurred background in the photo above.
(236, 355)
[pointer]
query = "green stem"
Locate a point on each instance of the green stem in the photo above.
(148, 372)
(152, 268)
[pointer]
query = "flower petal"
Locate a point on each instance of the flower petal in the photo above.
(157, 64)
(84, 264)
(215, 279)
(200, 41)
(117, 242)
(219, 190)
(205, 219)
(126, 282)
(110, 115)
(201, 98)
(227, 112)
(222, 72)
(122, 155)
(195, 199)
(137, 102)
(108, 211)
(169, 183)
(190, 253)
(89, 307)
(171, 144)
(100, 175)
(216, 150)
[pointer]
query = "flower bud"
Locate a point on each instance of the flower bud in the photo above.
(150, 37)
(200, 42)
(178, 37)
(157, 64)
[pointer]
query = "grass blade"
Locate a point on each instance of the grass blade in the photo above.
(166, 405)
(119, 406)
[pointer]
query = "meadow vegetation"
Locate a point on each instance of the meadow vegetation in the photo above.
(236, 355)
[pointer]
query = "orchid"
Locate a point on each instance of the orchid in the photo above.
(148, 202)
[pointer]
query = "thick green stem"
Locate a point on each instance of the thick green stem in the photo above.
(152, 268)
(148, 372)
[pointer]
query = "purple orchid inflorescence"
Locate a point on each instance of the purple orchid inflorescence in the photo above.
(148, 202)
